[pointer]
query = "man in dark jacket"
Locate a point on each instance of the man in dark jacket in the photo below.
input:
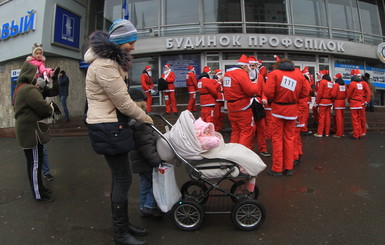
(31, 132)
(63, 93)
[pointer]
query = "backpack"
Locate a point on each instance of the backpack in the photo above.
(162, 84)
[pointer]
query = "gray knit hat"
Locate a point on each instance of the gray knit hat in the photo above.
(123, 31)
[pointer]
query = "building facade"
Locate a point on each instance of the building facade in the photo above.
(338, 35)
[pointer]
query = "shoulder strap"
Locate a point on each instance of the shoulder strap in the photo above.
(14, 94)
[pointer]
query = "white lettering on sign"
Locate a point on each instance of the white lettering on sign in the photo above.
(288, 83)
(359, 86)
(227, 82)
(342, 88)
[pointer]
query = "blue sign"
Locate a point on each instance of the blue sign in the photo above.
(179, 65)
(66, 28)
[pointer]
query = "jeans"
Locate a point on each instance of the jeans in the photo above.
(63, 100)
(121, 176)
(146, 196)
(45, 166)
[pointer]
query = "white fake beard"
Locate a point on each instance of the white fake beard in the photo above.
(149, 73)
(253, 74)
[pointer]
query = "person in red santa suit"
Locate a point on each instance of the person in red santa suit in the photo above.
(258, 102)
(208, 94)
(238, 91)
(285, 86)
(191, 83)
(147, 85)
(219, 112)
(355, 97)
(261, 69)
(169, 93)
(324, 102)
(339, 92)
(268, 117)
(315, 108)
(306, 114)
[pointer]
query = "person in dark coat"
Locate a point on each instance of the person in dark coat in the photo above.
(145, 158)
(63, 93)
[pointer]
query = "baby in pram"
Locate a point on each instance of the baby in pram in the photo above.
(184, 138)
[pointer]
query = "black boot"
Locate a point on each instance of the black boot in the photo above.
(120, 222)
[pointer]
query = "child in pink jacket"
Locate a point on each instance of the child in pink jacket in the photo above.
(38, 59)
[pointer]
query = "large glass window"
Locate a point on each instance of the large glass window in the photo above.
(344, 14)
(370, 17)
(144, 13)
(181, 11)
(309, 12)
(222, 10)
(266, 11)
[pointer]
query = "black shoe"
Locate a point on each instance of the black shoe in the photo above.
(55, 73)
(289, 172)
(176, 113)
(273, 173)
(151, 212)
(265, 154)
(45, 199)
(296, 162)
(136, 231)
(48, 177)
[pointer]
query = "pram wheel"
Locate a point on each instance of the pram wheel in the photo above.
(196, 190)
(187, 215)
(248, 214)
(239, 189)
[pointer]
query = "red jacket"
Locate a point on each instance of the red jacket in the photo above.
(170, 81)
(356, 93)
(147, 83)
(339, 96)
(284, 88)
(191, 82)
(262, 71)
(220, 94)
(208, 91)
(238, 89)
(324, 94)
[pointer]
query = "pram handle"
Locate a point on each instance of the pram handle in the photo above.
(195, 172)
(151, 114)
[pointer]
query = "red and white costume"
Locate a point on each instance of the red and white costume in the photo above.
(324, 101)
(191, 83)
(169, 93)
(219, 112)
(208, 94)
(261, 69)
(238, 90)
(339, 93)
(306, 114)
(284, 87)
(147, 85)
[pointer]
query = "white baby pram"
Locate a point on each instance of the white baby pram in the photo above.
(207, 169)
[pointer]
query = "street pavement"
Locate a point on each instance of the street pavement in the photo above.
(336, 196)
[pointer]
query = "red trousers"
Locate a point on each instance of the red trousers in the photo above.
(191, 106)
(242, 128)
(324, 120)
(339, 122)
(149, 101)
(356, 122)
(169, 97)
(207, 114)
(260, 128)
(282, 136)
(363, 119)
(268, 120)
(306, 114)
(219, 115)
(297, 149)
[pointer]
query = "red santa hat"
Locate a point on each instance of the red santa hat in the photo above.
(252, 60)
(322, 73)
(259, 62)
(277, 58)
(206, 69)
(148, 68)
(190, 68)
(355, 72)
(243, 60)
(305, 70)
(168, 66)
(218, 71)
(338, 75)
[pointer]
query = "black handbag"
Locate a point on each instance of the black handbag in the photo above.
(162, 84)
(258, 110)
(111, 138)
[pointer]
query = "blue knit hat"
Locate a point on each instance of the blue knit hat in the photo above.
(123, 31)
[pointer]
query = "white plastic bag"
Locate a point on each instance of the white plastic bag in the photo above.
(165, 188)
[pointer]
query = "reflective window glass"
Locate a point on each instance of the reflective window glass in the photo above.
(266, 11)
(221, 10)
(344, 14)
(370, 16)
(144, 13)
(181, 11)
(309, 12)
